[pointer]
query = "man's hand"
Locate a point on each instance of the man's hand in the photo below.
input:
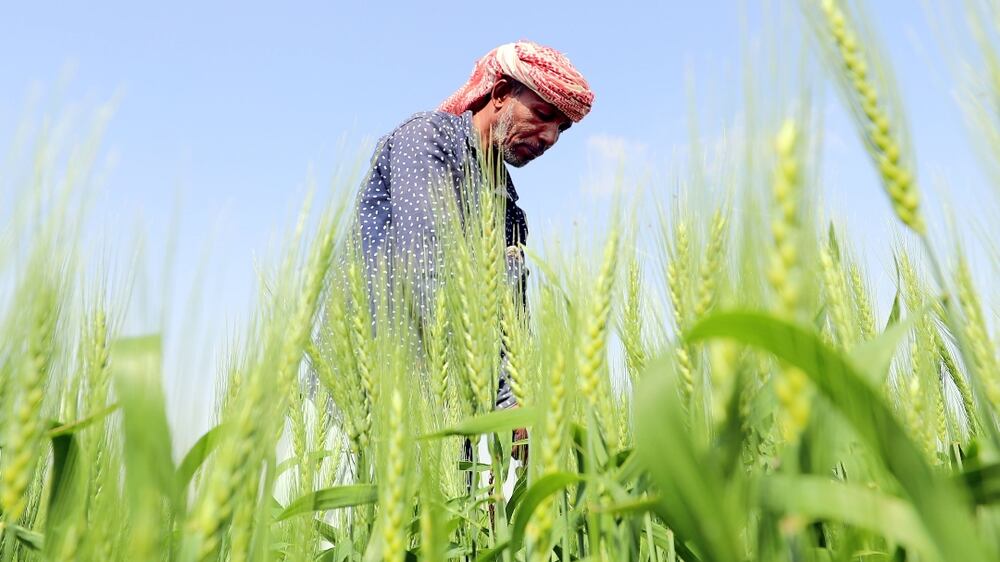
(520, 452)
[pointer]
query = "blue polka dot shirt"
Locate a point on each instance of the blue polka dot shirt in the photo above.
(398, 202)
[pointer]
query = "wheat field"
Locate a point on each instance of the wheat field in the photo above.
(725, 387)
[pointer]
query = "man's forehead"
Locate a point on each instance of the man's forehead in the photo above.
(532, 98)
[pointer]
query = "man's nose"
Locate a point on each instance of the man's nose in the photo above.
(549, 137)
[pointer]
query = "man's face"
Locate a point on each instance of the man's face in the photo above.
(526, 127)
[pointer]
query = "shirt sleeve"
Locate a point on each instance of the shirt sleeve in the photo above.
(423, 169)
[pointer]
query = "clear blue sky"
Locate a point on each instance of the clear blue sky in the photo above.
(230, 105)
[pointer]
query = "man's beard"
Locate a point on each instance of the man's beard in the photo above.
(505, 121)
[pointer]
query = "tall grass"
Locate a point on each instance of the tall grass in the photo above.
(741, 395)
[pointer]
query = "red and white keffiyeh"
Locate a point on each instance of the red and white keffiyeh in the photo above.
(546, 71)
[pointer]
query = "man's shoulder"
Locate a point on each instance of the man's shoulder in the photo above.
(437, 118)
(428, 124)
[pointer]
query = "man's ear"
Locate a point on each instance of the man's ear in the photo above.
(502, 92)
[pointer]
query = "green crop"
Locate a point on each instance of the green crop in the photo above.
(728, 389)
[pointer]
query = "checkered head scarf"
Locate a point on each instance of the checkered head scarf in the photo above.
(546, 71)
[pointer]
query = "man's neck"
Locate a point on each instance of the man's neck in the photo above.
(482, 122)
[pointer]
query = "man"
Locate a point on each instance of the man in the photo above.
(520, 98)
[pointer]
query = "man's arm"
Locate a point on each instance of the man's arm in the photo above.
(423, 171)
(426, 174)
